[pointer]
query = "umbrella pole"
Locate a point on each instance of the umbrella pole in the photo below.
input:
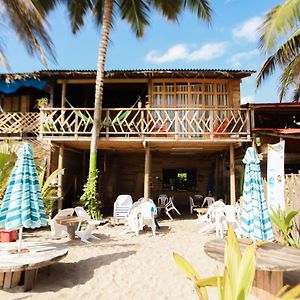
(20, 238)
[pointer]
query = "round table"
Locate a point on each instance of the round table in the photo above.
(37, 255)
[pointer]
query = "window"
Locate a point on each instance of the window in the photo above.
(179, 179)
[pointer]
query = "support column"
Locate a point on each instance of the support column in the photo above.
(59, 179)
(63, 101)
(147, 172)
(232, 176)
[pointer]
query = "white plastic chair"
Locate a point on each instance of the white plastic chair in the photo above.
(57, 230)
(122, 207)
(170, 207)
(192, 204)
(231, 215)
(85, 234)
(147, 213)
(162, 200)
(208, 200)
(207, 216)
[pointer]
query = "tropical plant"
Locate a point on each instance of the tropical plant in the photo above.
(28, 20)
(7, 161)
(238, 275)
(137, 13)
(280, 40)
(48, 191)
(285, 223)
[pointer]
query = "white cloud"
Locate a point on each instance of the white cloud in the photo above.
(238, 60)
(248, 30)
(207, 52)
(247, 99)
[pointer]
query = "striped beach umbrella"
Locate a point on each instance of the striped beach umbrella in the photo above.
(22, 205)
(255, 219)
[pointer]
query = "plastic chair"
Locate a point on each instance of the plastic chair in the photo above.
(231, 214)
(208, 200)
(170, 207)
(85, 234)
(57, 230)
(122, 207)
(162, 200)
(192, 204)
(147, 215)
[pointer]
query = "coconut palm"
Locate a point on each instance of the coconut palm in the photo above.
(137, 14)
(28, 20)
(280, 39)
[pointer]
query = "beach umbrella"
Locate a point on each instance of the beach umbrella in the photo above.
(255, 219)
(22, 205)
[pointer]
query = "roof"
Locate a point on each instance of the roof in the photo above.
(142, 73)
(270, 106)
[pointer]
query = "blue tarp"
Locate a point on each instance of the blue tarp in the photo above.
(12, 87)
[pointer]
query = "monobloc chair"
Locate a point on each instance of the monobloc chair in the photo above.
(231, 215)
(57, 230)
(208, 200)
(147, 215)
(122, 207)
(170, 207)
(85, 234)
(192, 204)
(162, 200)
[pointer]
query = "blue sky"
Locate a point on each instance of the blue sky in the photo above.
(229, 43)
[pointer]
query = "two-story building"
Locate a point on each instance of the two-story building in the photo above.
(162, 131)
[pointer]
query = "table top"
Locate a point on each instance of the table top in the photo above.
(68, 220)
(269, 256)
(201, 210)
(39, 254)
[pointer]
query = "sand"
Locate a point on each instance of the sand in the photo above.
(121, 266)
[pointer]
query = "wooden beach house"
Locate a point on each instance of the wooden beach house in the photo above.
(163, 131)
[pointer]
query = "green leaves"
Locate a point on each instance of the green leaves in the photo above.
(284, 221)
(238, 274)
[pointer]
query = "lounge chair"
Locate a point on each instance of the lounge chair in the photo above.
(57, 230)
(85, 234)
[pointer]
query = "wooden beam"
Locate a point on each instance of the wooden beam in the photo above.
(232, 176)
(147, 172)
(60, 179)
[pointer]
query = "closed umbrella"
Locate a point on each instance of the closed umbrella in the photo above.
(22, 205)
(255, 219)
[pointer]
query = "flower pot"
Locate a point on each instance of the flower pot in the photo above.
(8, 235)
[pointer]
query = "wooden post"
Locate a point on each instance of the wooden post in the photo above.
(147, 172)
(63, 102)
(59, 181)
(232, 176)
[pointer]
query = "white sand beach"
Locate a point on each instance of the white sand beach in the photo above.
(121, 266)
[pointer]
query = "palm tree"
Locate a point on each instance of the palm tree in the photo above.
(28, 20)
(136, 12)
(280, 39)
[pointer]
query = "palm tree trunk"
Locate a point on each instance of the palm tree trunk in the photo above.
(106, 26)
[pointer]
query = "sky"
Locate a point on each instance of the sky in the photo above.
(230, 42)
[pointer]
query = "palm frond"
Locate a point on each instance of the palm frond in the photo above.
(136, 12)
(30, 26)
(277, 23)
(77, 12)
(170, 9)
(266, 70)
(289, 77)
(202, 7)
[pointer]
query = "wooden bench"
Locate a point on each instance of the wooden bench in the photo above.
(271, 261)
(24, 266)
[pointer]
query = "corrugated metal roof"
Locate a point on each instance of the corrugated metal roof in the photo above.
(135, 73)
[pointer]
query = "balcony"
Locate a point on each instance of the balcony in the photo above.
(122, 124)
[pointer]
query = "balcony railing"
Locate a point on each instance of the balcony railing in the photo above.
(145, 123)
(167, 123)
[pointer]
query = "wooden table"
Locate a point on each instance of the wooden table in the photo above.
(38, 255)
(271, 261)
(201, 210)
(71, 222)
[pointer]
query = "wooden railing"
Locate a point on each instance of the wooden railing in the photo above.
(18, 123)
(171, 123)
